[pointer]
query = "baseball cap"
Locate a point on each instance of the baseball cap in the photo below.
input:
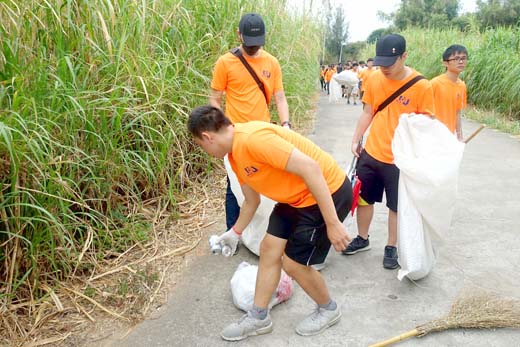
(388, 49)
(252, 28)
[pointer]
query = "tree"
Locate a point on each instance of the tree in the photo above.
(493, 13)
(337, 34)
(377, 34)
(424, 13)
(353, 50)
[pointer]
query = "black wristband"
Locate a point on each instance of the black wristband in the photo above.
(287, 123)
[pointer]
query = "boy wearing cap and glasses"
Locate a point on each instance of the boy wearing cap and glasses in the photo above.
(449, 91)
(245, 101)
(376, 169)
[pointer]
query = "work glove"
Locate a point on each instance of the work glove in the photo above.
(229, 238)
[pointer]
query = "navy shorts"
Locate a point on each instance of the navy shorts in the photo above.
(304, 228)
(376, 177)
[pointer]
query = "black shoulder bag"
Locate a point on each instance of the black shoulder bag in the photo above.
(399, 92)
(238, 53)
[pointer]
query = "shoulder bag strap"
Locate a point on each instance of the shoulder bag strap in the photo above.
(398, 92)
(388, 100)
(237, 53)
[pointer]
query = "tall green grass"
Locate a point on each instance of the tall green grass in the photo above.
(94, 97)
(492, 71)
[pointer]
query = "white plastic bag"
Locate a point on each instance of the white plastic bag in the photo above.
(428, 156)
(256, 230)
(347, 78)
(334, 90)
(243, 287)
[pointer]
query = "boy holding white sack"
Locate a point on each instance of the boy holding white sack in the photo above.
(409, 155)
(376, 168)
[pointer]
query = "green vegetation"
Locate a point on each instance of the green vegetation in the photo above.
(94, 98)
(492, 71)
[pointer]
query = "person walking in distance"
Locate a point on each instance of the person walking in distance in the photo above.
(364, 75)
(245, 100)
(313, 194)
(376, 168)
(449, 91)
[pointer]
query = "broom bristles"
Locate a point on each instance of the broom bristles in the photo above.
(477, 309)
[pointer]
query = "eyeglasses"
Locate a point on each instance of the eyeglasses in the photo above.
(458, 59)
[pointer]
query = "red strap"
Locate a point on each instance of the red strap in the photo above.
(235, 230)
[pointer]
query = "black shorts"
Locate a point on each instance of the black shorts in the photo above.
(376, 177)
(304, 228)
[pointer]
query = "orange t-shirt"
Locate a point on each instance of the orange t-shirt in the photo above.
(450, 97)
(328, 74)
(259, 156)
(363, 76)
(417, 99)
(244, 99)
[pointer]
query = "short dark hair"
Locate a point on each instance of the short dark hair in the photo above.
(206, 118)
(453, 49)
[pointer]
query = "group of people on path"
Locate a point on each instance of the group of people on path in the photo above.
(347, 77)
(313, 193)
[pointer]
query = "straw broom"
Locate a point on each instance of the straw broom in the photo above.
(474, 308)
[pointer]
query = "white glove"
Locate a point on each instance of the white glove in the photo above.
(229, 238)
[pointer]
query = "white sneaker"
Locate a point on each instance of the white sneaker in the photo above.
(247, 326)
(318, 321)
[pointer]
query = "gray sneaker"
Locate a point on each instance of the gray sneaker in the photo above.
(390, 259)
(318, 321)
(359, 244)
(247, 326)
(319, 267)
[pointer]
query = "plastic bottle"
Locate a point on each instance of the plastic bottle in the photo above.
(226, 251)
(214, 246)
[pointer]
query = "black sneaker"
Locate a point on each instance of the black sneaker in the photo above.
(359, 244)
(390, 258)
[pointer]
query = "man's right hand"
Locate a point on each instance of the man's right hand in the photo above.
(229, 238)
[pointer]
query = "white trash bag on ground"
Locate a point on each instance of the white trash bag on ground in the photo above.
(256, 230)
(428, 156)
(243, 285)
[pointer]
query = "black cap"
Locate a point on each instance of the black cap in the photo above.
(252, 28)
(388, 49)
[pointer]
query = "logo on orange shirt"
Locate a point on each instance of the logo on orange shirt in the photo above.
(250, 170)
(266, 74)
(403, 100)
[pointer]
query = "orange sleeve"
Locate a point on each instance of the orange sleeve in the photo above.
(219, 81)
(277, 72)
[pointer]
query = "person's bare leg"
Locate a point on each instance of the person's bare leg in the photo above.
(309, 279)
(364, 218)
(269, 269)
(392, 228)
(257, 320)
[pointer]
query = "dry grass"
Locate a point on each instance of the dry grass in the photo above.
(122, 288)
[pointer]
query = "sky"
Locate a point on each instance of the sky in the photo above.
(362, 14)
